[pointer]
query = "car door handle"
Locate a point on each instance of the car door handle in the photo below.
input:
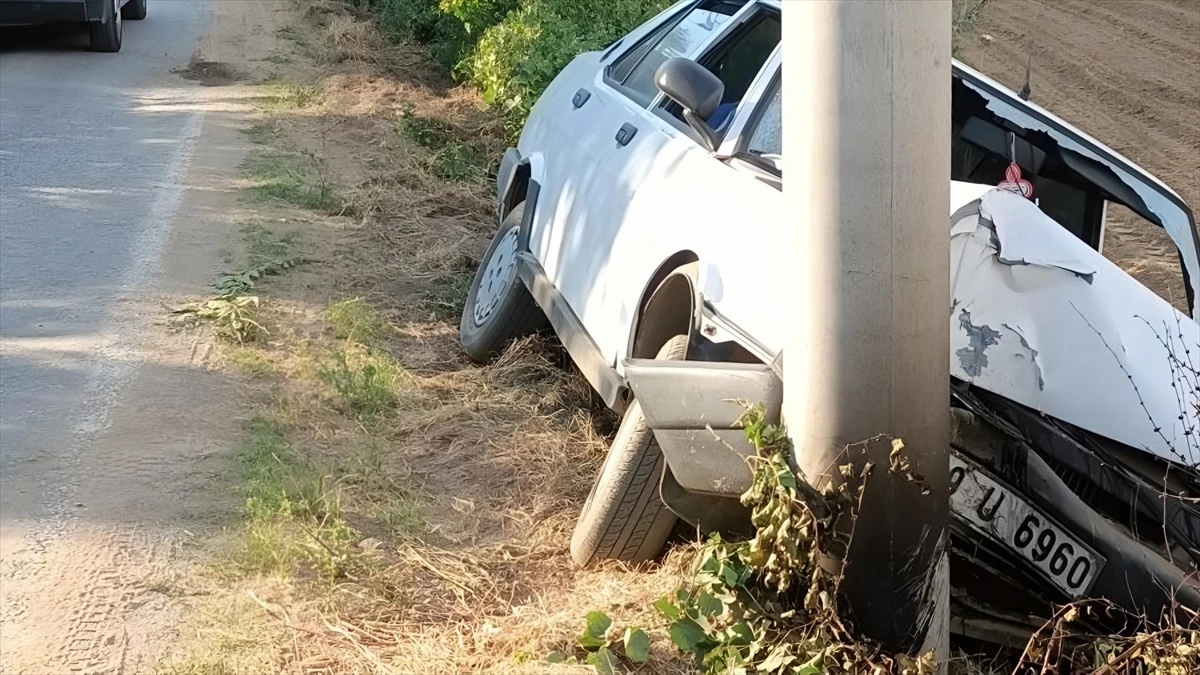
(580, 98)
(626, 134)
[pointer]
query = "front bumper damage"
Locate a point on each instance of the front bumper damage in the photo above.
(694, 409)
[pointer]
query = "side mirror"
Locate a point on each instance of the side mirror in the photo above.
(696, 90)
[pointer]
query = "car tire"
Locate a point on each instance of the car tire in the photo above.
(499, 308)
(134, 10)
(105, 35)
(624, 518)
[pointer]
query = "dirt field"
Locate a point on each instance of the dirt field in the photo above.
(1127, 72)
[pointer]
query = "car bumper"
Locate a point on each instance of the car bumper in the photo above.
(29, 12)
(694, 409)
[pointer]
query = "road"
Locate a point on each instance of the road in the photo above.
(97, 155)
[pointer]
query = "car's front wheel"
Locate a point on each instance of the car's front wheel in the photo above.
(499, 308)
(134, 10)
(105, 35)
(624, 518)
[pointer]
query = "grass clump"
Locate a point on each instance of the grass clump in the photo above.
(402, 515)
(451, 159)
(284, 96)
(365, 381)
(278, 177)
(449, 295)
(293, 511)
(354, 319)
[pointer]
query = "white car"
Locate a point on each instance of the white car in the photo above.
(637, 215)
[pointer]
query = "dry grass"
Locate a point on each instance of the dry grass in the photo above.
(452, 487)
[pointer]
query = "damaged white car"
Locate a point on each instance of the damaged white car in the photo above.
(1074, 469)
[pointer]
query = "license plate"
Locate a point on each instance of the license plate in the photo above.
(999, 513)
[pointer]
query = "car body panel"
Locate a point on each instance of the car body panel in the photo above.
(1066, 332)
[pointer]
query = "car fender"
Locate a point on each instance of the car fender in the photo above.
(675, 304)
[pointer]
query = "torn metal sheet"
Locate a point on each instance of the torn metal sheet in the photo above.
(1068, 332)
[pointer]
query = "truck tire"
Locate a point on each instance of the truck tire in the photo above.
(624, 518)
(499, 308)
(105, 35)
(134, 10)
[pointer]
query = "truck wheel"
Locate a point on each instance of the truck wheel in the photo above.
(499, 307)
(134, 10)
(105, 35)
(624, 518)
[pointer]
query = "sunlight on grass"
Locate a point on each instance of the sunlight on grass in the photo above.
(356, 320)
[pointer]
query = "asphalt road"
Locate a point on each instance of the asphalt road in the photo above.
(90, 164)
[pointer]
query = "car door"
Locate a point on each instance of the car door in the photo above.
(616, 150)
(672, 193)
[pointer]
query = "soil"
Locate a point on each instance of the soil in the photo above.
(1128, 74)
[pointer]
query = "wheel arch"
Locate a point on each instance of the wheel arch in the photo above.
(670, 305)
(522, 185)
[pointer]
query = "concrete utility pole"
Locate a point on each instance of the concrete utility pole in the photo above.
(867, 141)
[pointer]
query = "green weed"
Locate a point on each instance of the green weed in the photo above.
(449, 295)
(293, 511)
(451, 159)
(403, 515)
(281, 178)
(354, 319)
(365, 382)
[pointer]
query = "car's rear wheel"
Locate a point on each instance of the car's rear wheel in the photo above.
(105, 35)
(624, 517)
(134, 10)
(499, 308)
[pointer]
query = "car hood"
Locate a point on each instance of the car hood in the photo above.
(1039, 317)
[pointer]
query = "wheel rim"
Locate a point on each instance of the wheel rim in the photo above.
(496, 278)
(117, 14)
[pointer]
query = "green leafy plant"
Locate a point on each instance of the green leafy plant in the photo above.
(451, 158)
(282, 178)
(604, 649)
(366, 383)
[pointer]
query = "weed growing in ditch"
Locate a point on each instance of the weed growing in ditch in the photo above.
(286, 495)
(232, 312)
(277, 177)
(356, 320)
(365, 382)
(452, 159)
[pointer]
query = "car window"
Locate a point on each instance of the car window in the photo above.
(736, 60)
(634, 71)
(766, 140)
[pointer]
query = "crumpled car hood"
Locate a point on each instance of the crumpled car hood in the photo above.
(1041, 318)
